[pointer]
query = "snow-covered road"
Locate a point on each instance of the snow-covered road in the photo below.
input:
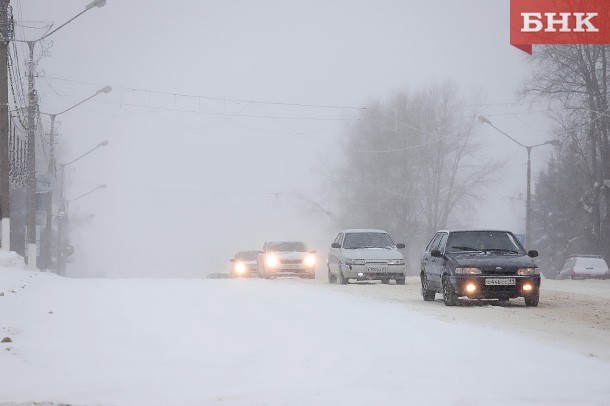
(254, 342)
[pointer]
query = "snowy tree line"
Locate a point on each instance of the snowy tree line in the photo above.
(572, 194)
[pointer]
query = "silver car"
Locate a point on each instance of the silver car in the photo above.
(365, 254)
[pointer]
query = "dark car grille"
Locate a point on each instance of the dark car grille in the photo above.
(290, 261)
(504, 270)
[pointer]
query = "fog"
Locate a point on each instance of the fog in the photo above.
(223, 115)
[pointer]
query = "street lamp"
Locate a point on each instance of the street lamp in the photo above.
(32, 103)
(528, 202)
(64, 221)
(63, 205)
(48, 229)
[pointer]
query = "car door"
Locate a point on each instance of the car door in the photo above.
(430, 264)
(333, 255)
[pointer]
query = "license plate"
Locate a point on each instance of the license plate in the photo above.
(377, 269)
(500, 281)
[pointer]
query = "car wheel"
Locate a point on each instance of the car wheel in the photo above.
(331, 278)
(385, 281)
(342, 279)
(400, 281)
(449, 296)
(427, 294)
(532, 300)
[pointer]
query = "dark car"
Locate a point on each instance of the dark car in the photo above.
(479, 264)
(244, 265)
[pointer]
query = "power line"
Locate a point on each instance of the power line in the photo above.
(203, 97)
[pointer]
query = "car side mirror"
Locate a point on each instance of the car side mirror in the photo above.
(335, 245)
(400, 246)
(436, 253)
(532, 253)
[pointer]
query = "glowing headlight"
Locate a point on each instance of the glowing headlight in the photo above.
(309, 260)
(271, 260)
(355, 262)
(396, 262)
(240, 267)
(527, 271)
(468, 271)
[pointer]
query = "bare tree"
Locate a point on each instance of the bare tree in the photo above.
(409, 164)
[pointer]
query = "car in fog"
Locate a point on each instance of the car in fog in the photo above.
(479, 264)
(583, 267)
(244, 264)
(286, 258)
(365, 254)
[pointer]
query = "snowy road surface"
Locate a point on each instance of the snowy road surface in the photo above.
(292, 342)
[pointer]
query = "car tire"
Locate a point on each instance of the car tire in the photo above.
(385, 281)
(331, 278)
(449, 296)
(400, 281)
(532, 300)
(427, 294)
(342, 280)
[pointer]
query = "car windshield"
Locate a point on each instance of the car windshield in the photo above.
(247, 255)
(367, 240)
(485, 241)
(293, 246)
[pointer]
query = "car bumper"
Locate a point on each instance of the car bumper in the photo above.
(292, 271)
(374, 272)
(494, 287)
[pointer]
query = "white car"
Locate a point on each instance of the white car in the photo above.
(584, 266)
(286, 258)
(364, 254)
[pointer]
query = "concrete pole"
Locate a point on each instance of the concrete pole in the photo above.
(4, 133)
(528, 202)
(31, 217)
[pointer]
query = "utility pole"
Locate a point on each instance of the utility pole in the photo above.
(32, 109)
(6, 30)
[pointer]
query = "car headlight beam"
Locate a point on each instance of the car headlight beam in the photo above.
(309, 260)
(240, 267)
(271, 261)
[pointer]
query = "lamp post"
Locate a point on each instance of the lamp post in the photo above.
(528, 201)
(63, 207)
(65, 221)
(32, 107)
(46, 257)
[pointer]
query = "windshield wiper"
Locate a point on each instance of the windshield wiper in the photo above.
(467, 249)
(501, 250)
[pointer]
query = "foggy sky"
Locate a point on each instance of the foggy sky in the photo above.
(190, 180)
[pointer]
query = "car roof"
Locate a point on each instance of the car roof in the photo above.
(476, 230)
(283, 241)
(363, 230)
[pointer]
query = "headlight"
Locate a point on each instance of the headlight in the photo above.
(468, 271)
(355, 261)
(528, 271)
(240, 267)
(396, 262)
(271, 260)
(309, 260)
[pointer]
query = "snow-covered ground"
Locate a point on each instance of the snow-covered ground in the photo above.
(282, 342)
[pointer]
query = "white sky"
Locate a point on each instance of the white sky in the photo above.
(188, 189)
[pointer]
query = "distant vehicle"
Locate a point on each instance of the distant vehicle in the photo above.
(479, 264)
(244, 264)
(583, 267)
(286, 258)
(365, 254)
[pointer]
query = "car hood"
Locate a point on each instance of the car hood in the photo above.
(247, 262)
(492, 260)
(372, 253)
(289, 254)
